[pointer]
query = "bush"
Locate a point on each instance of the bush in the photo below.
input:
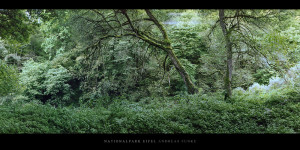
(263, 76)
(274, 112)
(46, 83)
(57, 87)
(34, 117)
(9, 79)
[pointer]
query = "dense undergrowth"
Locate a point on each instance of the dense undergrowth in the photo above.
(277, 111)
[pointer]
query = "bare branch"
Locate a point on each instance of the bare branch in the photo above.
(213, 28)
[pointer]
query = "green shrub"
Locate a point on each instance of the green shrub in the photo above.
(263, 76)
(34, 117)
(9, 79)
(192, 114)
(46, 83)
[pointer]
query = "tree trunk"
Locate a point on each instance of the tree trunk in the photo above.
(165, 45)
(192, 89)
(228, 75)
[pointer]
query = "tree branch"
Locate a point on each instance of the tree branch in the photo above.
(124, 12)
(213, 28)
(156, 22)
(109, 36)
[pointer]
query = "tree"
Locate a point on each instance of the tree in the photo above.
(228, 75)
(242, 28)
(15, 25)
(141, 24)
(15, 28)
(186, 30)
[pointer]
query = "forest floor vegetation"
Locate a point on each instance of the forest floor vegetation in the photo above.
(273, 112)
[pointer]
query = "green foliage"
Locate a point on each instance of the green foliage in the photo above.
(57, 36)
(12, 59)
(46, 83)
(9, 79)
(242, 78)
(33, 117)
(56, 85)
(77, 83)
(189, 46)
(193, 114)
(33, 48)
(15, 25)
(263, 75)
(188, 43)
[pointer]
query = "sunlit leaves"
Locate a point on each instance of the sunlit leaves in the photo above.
(46, 83)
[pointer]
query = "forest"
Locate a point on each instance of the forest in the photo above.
(149, 71)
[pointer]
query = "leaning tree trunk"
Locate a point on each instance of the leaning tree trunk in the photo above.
(163, 44)
(228, 75)
(192, 89)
